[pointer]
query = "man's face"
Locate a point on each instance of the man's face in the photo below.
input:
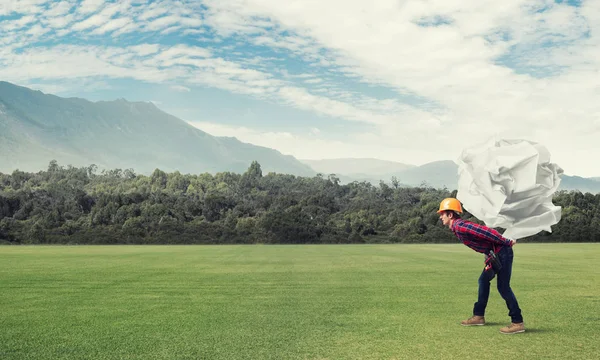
(446, 218)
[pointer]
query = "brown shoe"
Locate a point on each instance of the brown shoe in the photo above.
(474, 321)
(513, 328)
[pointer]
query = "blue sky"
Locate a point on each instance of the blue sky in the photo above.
(408, 81)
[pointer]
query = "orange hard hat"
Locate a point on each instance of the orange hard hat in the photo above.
(450, 204)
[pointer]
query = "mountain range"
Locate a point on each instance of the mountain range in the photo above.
(36, 128)
(437, 174)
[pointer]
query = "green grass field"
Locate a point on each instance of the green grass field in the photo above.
(291, 302)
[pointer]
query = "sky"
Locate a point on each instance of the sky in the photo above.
(407, 81)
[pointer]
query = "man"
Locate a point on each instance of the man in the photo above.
(483, 239)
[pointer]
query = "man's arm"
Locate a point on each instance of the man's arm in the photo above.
(486, 233)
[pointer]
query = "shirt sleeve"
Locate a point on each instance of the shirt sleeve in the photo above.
(485, 233)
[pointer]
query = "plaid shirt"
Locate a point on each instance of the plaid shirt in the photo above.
(478, 237)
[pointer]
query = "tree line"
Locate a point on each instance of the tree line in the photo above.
(71, 205)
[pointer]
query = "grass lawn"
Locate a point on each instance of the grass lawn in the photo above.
(291, 302)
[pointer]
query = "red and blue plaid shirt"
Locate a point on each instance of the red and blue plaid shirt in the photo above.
(478, 237)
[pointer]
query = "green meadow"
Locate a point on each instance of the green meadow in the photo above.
(291, 302)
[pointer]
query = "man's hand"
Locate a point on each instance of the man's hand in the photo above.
(512, 242)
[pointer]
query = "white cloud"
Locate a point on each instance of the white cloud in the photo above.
(170, 30)
(145, 49)
(128, 28)
(9, 7)
(491, 67)
(155, 9)
(37, 30)
(168, 64)
(183, 51)
(302, 99)
(90, 6)
(233, 18)
(59, 22)
(167, 21)
(455, 65)
(112, 25)
(58, 9)
(19, 23)
(180, 88)
(296, 44)
(193, 31)
(72, 62)
(313, 81)
(102, 17)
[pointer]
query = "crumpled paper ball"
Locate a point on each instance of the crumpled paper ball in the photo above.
(509, 184)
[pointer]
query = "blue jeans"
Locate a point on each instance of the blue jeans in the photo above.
(503, 281)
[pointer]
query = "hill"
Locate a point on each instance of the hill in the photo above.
(437, 174)
(36, 128)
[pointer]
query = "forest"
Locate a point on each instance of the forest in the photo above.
(80, 205)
